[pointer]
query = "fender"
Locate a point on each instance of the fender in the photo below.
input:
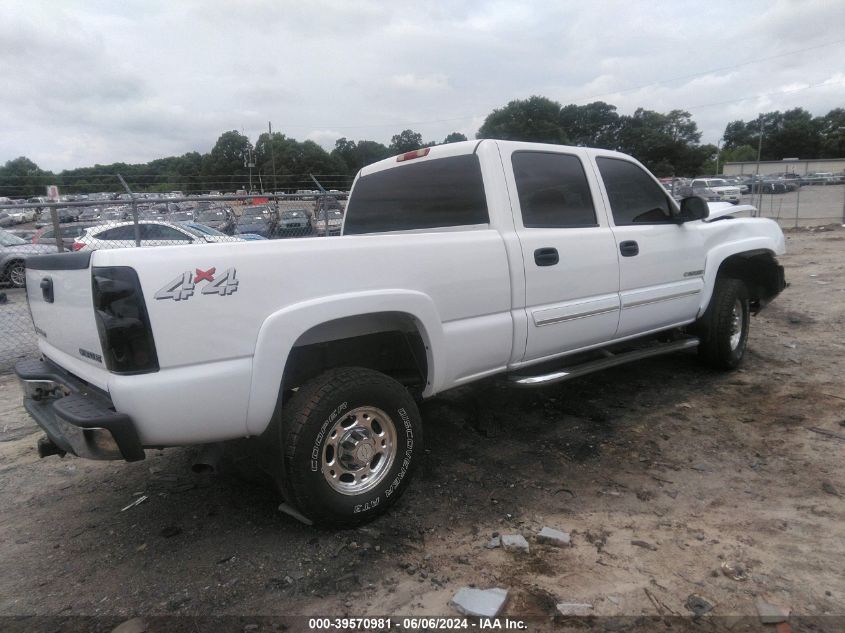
(281, 330)
(773, 243)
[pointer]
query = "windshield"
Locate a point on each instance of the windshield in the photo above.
(181, 216)
(333, 215)
(7, 239)
(199, 228)
(207, 216)
(256, 212)
(251, 219)
(718, 182)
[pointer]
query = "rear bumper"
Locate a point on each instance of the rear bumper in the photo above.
(77, 417)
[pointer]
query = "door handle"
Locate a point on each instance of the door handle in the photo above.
(629, 248)
(546, 257)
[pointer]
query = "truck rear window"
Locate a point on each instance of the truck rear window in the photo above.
(431, 194)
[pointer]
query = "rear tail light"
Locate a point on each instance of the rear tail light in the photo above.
(122, 321)
(78, 246)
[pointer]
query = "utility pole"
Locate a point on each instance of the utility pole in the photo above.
(273, 155)
(718, 149)
(757, 175)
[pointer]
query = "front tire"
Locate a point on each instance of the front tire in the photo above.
(723, 328)
(352, 437)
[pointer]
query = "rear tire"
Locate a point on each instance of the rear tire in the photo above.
(352, 437)
(16, 273)
(723, 328)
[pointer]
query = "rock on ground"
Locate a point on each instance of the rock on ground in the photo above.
(484, 603)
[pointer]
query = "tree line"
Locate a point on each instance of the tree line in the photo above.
(667, 143)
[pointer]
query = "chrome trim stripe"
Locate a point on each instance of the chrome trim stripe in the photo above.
(645, 302)
(572, 317)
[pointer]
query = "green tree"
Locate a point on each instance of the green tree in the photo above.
(22, 178)
(832, 134)
(405, 141)
(225, 166)
(454, 137)
(357, 155)
(593, 125)
(534, 119)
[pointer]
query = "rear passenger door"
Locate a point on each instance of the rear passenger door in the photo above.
(571, 268)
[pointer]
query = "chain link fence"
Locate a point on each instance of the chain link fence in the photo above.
(80, 222)
(129, 220)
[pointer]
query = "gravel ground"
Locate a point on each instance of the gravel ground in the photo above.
(662, 472)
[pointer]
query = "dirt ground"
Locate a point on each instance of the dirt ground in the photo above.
(661, 471)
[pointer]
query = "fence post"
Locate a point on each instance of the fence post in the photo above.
(54, 215)
(843, 206)
(134, 211)
(797, 203)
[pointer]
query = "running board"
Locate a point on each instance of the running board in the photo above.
(611, 360)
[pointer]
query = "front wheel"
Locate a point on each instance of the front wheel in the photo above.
(723, 328)
(352, 436)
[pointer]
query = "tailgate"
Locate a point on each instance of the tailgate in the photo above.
(58, 288)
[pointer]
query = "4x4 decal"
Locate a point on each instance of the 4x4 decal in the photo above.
(182, 288)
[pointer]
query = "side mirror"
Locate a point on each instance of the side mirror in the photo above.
(693, 208)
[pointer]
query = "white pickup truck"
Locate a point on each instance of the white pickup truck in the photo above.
(537, 262)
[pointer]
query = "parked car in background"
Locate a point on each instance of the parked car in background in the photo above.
(24, 215)
(260, 220)
(737, 182)
(6, 219)
(91, 214)
(819, 178)
(251, 237)
(727, 192)
(150, 232)
(180, 216)
(327, 202)
(47, 235)
(207, 232)
(328, 222)
(294, 221)
(218, 218)
(13, 254)
(702, 192)
(69, 214)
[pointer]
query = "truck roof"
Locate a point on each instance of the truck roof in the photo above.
(468, 147)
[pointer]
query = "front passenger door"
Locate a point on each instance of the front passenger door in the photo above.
(661, 262)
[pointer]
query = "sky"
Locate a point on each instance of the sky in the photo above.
(104, 81)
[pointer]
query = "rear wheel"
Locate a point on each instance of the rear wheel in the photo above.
(17, 274)
(723, 328)
(352, 436)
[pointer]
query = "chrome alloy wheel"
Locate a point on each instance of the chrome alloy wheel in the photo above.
(736, 324)
(17, 275)
(359, 451)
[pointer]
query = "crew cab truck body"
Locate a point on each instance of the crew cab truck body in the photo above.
(461, 261)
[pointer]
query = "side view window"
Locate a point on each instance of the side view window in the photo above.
(553, 190)
(634, 196)
(118, 233)
(163, 233)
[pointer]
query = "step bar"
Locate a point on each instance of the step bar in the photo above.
(610, 360)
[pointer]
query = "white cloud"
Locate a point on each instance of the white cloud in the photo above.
(428, 83)
(102, 82)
